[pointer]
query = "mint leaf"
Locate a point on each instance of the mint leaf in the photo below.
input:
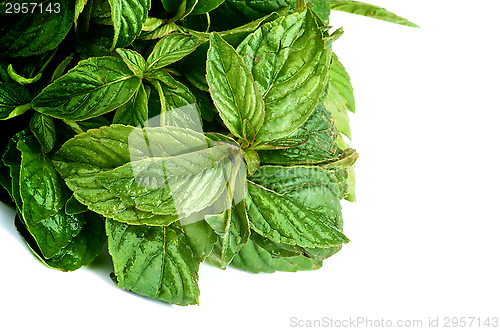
(255, 259)
(316, 142)
(296, 206)
(128, 17)
(157, 262)
(366, 9)
(21, 33)
(14, 100)
(94, 87)
(287, 59)
(233, 90)
(170, 49)
(44, 130)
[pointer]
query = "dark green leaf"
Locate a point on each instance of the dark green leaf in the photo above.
(21, 33)
(44, 130)
(80, 252)
(204, 6)
(14, 100)
(73, 207)
(42, 190)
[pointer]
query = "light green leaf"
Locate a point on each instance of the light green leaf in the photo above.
(179, 106)
(157, 262)
(322, 9)
(81, 158)
(21, 33)
(14, 100)
(135, 111)
(340, 80)
(318, 145)
(253, 258)
(178, 185)
(296, 206)
(252, 160)
(163, 76)
(233, 228)
(170, 49)
(368, 10)
(233, 90)
(44, 130)
(94, 87)
(287, 59)
(20, 79)
(134, 61)
(201, 238)
(128, 17)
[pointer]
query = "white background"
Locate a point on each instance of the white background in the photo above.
(424, 231)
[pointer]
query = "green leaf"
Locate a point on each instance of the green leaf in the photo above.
(80, 252)
(233, 90)
(296, 206)
(340, 80)
(177, 185)
(42, 190)
(14, 100)
(81, 158)
(21, 33)
(55, 232)
(157, 262)
(61, 67)
(170, 49)
(204, 6)
(179, 106)
(253, 258)
(44, 130)
(318, 145)
(73, 207)
(134, 61)
(366, 9)
(287, 59)
(20, 79)
(94, 87)
(163, 76)
(322, 9)
(128, 17)
(12, 158)
(252, 160)
(233, 13)
(135, 111)
(201, 238)
(233, 228)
